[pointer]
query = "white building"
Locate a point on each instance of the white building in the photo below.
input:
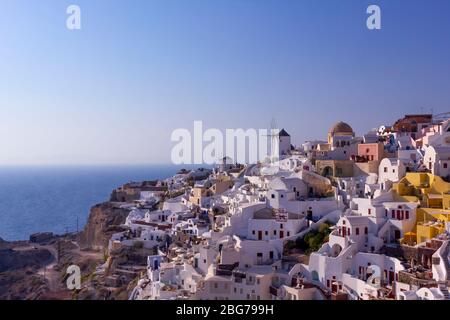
(390, 169)
(437, 160)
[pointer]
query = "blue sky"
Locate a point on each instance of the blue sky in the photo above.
(114, 91)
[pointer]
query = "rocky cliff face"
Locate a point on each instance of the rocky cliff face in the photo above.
(104, 220)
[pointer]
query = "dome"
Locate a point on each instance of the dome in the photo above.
(341, 128)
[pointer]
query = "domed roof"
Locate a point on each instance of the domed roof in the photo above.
(341, 127)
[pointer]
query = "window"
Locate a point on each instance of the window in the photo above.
(235, 289)
(266, 233)
(385, 169)
(445, 165)
(406, 214)
(271, 254)
(272, 196)
(274, 232)
(366, 230)
(288, 234)
(281, 226)
(357, 231)
(215, 285)
(369, 211)
(282, 196)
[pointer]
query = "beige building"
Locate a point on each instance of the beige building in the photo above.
(335, 168)
(221, 184)
(340, 134)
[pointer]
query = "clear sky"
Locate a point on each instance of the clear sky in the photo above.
(114, 91)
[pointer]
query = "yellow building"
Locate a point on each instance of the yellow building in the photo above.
(433, 194)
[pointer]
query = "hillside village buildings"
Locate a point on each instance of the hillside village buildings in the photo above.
(347, 218)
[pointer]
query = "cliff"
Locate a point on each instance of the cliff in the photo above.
(104, 220)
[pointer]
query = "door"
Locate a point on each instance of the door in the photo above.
(260, 235)
(281, 234)
(397, 234)
(391, 277)
(259, 258)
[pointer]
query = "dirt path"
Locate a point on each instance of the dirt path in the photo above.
(48, 271)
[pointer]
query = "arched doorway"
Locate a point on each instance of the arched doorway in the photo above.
(327, 171)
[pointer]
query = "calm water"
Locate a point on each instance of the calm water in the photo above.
(35, 199)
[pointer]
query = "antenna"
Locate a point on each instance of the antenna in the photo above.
(273, 124)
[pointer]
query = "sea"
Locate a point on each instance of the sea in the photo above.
(58, 198)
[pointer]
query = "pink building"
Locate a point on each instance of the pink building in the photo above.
(370, 152)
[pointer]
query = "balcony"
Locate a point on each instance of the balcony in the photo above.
(239, 276)
(225, 269)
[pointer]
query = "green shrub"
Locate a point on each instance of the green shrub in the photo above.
(313, 240)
